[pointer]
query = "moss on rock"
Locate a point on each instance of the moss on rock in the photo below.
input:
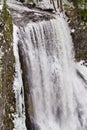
(7, 69)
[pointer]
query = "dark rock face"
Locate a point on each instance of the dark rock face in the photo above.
(79, 36)
(80, 43)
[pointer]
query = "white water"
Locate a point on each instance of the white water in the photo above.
(59, 94)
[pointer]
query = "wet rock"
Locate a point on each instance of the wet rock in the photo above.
(22, 18)
(34, 124)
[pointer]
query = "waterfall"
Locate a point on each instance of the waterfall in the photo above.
(59, 93)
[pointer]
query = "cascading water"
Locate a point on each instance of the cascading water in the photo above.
(59, 94)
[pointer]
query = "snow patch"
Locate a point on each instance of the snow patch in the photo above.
(72, 30)
(45, 4)
(18, 7)
(0, 7)
(81, 67)
(19, 118)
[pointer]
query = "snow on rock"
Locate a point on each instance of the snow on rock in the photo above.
(0, 7)
(19, 118)
(18, 7)
(72, 30)
(81, 67)
(70, 4)
(45, 4)
(19, 123)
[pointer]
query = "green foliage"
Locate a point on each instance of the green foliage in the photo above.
(83, 14)
(81, 3)
(78, 3)
(66, 7)
(81, 6)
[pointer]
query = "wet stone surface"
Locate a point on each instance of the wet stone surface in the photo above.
(22, 18)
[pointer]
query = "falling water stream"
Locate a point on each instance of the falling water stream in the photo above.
(58, 93)
(57, 87)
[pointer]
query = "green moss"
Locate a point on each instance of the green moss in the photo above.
(66, 7)
(81, 6)
(7, 72)
(78, 2)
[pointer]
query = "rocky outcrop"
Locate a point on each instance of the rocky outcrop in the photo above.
(79, 33)
(7, 97)
(22, 18)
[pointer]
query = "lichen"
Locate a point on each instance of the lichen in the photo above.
(7, 71)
